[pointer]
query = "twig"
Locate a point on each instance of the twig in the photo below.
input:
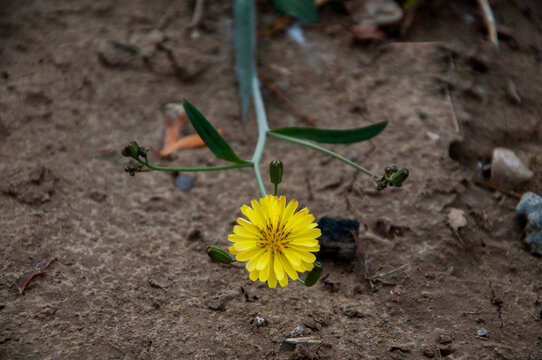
(169, 13)
(460, 239)
(300, 113)
(376, 276)
(452, 106)
(489, 19)
(197, 15)
(490, 185)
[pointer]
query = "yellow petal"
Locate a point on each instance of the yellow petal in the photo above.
(250, 214)
(260, 216)
(292, 257)
(247, 255)
(251, 265)
(236, 237)
(305, 233)
(288, 267)
(264, 274)
(242, 231)
(290, 209)
(250, 227)
(304, 242)
(284, 282)
(279, 271)
(305, 248)
(263, 261)
(304, 255)
(254, 275)
(244, 246)
(272, 281)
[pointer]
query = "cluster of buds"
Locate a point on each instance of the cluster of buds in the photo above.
(393, 176)
(134, 151)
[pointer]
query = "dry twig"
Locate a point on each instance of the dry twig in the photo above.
(489, 19)
(300, 113)
(197, 16)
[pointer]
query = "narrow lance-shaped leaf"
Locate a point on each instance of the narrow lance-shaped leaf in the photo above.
(304, 10)
(210, 135)
(245, 24)
(333, 136)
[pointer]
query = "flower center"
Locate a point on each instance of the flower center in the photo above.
(274, 239)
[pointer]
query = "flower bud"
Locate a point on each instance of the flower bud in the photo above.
(142, 151)
(219, 254)
(381, 185)
(276, 169)
(314, 275)
(399, 177)
(133, 168)
(131, 150)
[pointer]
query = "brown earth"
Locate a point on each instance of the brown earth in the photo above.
(132, 281)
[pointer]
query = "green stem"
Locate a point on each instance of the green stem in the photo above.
(276, 189)
(300, 281)
(210, 168)
(263, 127)
(324, 150)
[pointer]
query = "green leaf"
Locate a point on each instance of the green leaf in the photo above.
(333, 136)
(245, 40)
(210, 136)
(304, 10)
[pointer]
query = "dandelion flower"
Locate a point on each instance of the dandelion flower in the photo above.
(276, 241)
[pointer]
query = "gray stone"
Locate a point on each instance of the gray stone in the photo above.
(530, 206)
(507, 169)
(184, 182)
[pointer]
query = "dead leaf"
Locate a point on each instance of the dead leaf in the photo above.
(456, 219)
(25, 278)
(175, 140)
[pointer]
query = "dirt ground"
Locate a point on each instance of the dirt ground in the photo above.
(80, 79)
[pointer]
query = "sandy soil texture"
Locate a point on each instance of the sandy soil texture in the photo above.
(131, 280)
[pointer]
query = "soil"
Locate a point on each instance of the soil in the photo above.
(132, 280)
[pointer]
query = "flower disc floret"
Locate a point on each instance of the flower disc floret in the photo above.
(276, 241)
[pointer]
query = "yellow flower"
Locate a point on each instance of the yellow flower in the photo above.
(276, 241)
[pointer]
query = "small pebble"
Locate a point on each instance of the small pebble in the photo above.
(426, 294)
(259, 321)
(530, 206)
(480, 321)
(482, 332)
(184, 182)
(445, 339)
(300, 331)
(507, 169)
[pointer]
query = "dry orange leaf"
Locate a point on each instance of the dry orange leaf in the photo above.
(25, 278)
(175, 141)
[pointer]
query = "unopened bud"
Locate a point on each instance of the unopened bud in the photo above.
(133, 168)
(219, 254)
(314, 275)
(142, 151)
(399, 177)
(131, 150)
(276, 169)
(381, 185)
